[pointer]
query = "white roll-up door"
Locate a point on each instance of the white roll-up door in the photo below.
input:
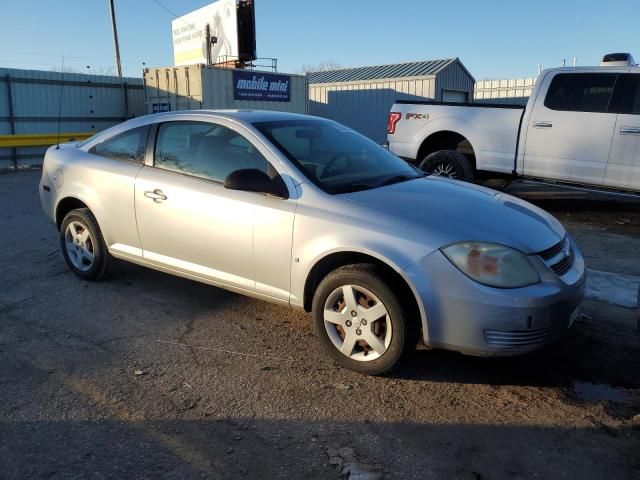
(454, 96)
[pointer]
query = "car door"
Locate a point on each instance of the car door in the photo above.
(623, 167)
(118, 159)
(190, 223)
(569, 131)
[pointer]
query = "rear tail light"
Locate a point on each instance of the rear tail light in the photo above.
(394, 118)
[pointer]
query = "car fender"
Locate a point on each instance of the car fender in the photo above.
(395, 259)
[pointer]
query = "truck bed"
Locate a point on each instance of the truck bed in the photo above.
(492, 130)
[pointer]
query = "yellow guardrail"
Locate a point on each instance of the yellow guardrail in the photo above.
(41, 139)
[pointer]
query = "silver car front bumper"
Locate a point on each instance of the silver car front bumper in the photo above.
(465, 316)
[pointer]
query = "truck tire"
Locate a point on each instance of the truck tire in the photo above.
(448, 163)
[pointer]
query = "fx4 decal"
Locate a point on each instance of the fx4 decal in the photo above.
(417, 116)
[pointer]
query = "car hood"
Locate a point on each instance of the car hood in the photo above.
(454, 211)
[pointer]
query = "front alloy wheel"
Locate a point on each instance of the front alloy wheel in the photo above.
(360, 320)
(357, 323)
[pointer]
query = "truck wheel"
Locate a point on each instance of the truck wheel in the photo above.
(448, 163)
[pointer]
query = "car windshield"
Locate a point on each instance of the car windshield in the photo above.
(334, 157)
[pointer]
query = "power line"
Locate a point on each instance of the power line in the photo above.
(174, 14)
(57, 55)
(165, 7)
(80, 66)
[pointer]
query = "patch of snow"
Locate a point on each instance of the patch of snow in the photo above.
(616, 288)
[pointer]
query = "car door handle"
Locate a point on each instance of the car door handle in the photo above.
(542, 124)
(629, 130)
(156, 195)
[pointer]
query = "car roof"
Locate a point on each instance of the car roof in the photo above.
(241, 116)
(248, 116)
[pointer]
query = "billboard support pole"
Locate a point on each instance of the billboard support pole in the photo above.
(115, 39)
(207, 40)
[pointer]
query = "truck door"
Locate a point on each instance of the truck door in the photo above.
(570, 128)
(623, 168)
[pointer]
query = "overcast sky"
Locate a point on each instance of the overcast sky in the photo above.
(494, 39)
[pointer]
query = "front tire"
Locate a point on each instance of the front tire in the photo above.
(448, 163)
(83, 246)
(360, 320)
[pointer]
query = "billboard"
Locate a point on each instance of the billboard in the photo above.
(223, 19)
(265, 87)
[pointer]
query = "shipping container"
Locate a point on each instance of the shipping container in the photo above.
(362, 97)
(199, 86)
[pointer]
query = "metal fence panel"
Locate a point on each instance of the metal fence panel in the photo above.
(509, 91)
(83, 103)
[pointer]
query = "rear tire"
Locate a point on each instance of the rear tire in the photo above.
(368, 332)
(83, 246)
(448, 163)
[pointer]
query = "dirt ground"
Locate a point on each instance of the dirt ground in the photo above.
(145, 375)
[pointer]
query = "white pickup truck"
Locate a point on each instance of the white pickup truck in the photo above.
(581, 125)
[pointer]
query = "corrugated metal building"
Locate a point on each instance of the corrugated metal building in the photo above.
(362, 97)
(198, 86)
(34, 102)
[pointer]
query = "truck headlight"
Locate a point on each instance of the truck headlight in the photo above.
(492, 265)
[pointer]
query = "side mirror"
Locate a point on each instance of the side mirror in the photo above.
(254, 180)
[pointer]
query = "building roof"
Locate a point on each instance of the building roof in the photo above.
(397, 70)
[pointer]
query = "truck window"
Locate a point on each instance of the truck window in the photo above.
(580, 92)
(626, 99)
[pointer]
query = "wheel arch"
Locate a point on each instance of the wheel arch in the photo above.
(334, 260)
(447, 140)
(66, 205)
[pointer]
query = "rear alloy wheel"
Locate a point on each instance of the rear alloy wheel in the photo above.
(448, 163)
(83, 246)
(80, 246)
(360, 321)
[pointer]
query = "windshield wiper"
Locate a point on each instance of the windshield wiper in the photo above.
(354, 187)
(400, 178)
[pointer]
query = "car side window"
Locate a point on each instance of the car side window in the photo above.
(129, 146)
(580, 92)
(205, 150)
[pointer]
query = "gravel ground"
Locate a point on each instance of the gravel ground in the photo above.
(145, 375)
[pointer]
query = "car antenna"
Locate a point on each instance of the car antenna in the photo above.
(60, 102)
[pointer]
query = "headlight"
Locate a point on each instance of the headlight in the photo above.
(492, 265)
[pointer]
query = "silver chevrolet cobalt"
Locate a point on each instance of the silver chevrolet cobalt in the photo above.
(305, 212)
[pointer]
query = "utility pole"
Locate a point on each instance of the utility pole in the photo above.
(115, 39)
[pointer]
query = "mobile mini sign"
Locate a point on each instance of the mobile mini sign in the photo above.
(265, 87)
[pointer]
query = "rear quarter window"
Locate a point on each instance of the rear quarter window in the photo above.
(129, 145)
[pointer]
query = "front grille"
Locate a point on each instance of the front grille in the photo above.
(553, 251)
(559, 257)
(563, 265)
(521, 338)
